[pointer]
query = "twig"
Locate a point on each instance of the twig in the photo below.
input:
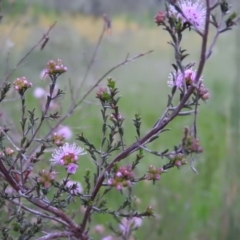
(38, 213)
(209, 52)
(9, 139)
(56, 235)
(91, 61)
(8, 75)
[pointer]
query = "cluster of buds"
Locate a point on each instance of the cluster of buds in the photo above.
(21, 85)
(58, 139)
(149, 211)
(154, 173)
(46, 178)
(203, 92)
(122, 178)
(55, 67)
(103, 94)
(62, 133)
(118, 119)
(190, 144)
(160, 18)
(178, 159)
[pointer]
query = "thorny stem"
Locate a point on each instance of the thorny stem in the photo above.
(159, 126)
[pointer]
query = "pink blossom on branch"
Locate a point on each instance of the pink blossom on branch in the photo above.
(72, 168)
(64, 131)
(177, 78)
(21, 84)
(39, 92)
(130, 224)
(75, 187)
(193, 10)
(67, 155)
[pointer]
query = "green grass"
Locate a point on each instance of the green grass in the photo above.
(187, 206)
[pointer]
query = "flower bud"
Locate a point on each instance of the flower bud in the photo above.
(160, 18)
(55, 67)
(21, 85)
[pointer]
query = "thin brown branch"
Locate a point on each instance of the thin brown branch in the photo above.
(90, 64)
(56, 235)
(9, 74)
(36, 213)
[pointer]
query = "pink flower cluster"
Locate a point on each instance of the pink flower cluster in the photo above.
(178, 159)
(178, 78)
(46, 178)
(22, 84)
(122, 178)
(55, 67)
(67, 155)
(190, 143)
(154, 173)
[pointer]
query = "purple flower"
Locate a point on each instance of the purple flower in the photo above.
(177, 78)
(75, 187)
(71, 168)
(65, 131)
(127, 225)
(39, 92)
(194, 11)
(108, 238)
(67, 156)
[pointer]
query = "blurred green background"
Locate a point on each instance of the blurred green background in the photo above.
(188, 206)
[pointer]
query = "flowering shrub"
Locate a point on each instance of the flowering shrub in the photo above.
(46, 196)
